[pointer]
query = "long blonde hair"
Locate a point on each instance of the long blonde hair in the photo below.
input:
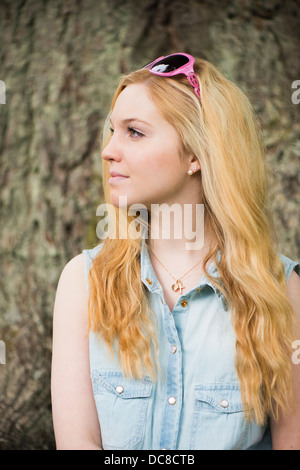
(224, 135)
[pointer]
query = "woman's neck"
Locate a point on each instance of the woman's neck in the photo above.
(181, 233)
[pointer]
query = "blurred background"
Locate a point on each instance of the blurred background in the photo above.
(60, 62)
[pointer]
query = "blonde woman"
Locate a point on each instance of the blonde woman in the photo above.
(159, 343)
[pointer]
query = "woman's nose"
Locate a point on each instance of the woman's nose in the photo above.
(112, 151)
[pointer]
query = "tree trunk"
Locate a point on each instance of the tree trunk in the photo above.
(60, 62)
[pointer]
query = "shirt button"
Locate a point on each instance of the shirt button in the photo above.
(184, 303)
(171, 400)
(224, 403)
(173, 349)
(119, 389)
(149, 281)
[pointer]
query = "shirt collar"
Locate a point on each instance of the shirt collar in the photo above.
(150, 280)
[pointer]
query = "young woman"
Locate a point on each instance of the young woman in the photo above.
(188, 346)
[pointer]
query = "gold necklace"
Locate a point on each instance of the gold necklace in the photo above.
(178, 283)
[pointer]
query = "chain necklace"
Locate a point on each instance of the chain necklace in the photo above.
(178, 283)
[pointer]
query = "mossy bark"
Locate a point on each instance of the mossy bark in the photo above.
(60, 62)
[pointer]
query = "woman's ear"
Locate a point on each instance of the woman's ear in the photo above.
(194, 163)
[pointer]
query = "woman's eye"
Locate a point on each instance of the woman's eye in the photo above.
(134, 133)
(111, 130)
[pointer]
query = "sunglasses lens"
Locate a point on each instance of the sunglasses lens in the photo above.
(168, 64)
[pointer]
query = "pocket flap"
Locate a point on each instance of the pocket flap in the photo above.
(225, 398)
(116, 383)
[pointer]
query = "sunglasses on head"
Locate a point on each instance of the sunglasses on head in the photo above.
(175, 64)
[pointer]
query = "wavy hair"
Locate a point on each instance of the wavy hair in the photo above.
(224, 134)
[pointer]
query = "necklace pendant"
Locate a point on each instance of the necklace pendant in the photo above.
(178, 286)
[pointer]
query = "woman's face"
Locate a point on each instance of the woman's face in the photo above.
(145, 148)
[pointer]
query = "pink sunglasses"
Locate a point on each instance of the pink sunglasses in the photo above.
(175, 64)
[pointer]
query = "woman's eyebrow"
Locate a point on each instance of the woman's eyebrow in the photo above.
(129, 120)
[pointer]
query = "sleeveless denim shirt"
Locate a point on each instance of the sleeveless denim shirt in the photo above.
(197, 403)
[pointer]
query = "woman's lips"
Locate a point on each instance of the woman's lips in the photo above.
(117, 179)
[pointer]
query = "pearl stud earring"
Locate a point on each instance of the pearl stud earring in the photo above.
(190, 172)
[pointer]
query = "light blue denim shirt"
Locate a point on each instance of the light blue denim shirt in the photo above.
(197, 404)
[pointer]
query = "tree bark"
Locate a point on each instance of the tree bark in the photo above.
(60, 62)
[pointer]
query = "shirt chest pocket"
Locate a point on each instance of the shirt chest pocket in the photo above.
(218, 418)
(122, 407)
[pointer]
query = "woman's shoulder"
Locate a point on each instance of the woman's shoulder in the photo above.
(73, 268)
(72, 275)
(71, 299)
